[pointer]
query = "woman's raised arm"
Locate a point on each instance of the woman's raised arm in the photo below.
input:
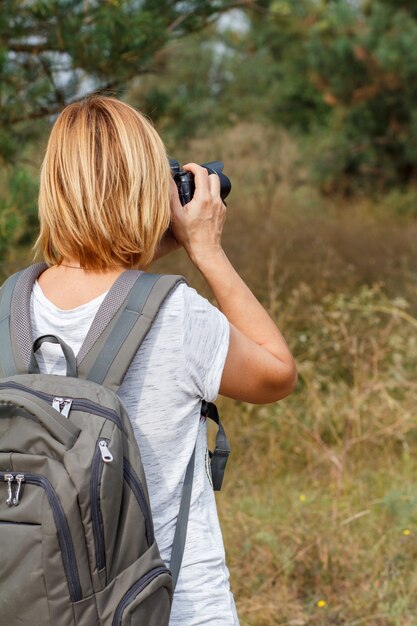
(259, 366)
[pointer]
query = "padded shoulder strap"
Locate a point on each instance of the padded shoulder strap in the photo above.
(109, 358)
(7, 362)
(20, 322)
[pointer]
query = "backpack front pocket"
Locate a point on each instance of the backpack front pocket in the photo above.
(66, 545)
(37, 495)
(22, 586)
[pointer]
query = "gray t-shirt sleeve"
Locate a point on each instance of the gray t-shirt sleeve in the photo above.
(206, 334)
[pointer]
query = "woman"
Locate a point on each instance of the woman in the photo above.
(106, 203)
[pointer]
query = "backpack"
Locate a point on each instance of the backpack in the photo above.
(77, 541)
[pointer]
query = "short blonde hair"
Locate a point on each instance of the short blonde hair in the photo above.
(104, 187)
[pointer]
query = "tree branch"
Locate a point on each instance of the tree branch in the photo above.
(31, 48)
(52, 110)
(43, 47)
(239, 4)
(59, 96)
(33, 115)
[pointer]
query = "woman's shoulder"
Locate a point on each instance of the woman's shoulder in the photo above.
(186, 302)
(193, 327)
(192, 317)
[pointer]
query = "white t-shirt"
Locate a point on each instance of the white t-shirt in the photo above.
(179, 363)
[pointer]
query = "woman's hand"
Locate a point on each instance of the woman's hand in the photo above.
(198, 225)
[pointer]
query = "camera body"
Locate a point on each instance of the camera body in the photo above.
(185, 180)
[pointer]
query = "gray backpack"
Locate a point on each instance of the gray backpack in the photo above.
(77, 544)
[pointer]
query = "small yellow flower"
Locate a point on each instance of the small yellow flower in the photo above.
(321, 603)
(302, 497)
(406, 532)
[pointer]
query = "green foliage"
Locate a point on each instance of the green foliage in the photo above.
(341, 74)
(18, 215)
(52, 51)
(402, 202)
(177, 102)
(347, 76)
(55, 51)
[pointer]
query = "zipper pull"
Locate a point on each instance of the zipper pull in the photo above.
(56, 404)
(106, 455)
(19, 479)
(62, 405)
(66, 407)
(9, 478)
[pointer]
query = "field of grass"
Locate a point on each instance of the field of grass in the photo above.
(319, 509)
(319, 506)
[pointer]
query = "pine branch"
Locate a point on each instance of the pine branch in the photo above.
(239, 4)
(31, 48)
(54, 109)
(32, 115)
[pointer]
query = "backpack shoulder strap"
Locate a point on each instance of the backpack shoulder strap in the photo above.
(109, 358)
(15, 328)
(20, 324)
(180, 535)
(107, 361)
(219, 458)
(7, 359)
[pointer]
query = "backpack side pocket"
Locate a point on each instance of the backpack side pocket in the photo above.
(146, 601)
(141, 594)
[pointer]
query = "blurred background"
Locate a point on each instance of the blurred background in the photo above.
(312, 105)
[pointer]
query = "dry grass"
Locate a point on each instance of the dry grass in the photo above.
(320, 499)
(322, 486)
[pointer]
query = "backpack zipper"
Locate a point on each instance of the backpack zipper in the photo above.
(96, 516)
(64, 536)
(134, 483)
(78, 404)
(134, 590)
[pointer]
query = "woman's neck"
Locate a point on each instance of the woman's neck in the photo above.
(68, 285)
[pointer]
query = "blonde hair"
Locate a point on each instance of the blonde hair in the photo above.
(104, 187)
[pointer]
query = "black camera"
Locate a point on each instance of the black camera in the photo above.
(185, 180)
